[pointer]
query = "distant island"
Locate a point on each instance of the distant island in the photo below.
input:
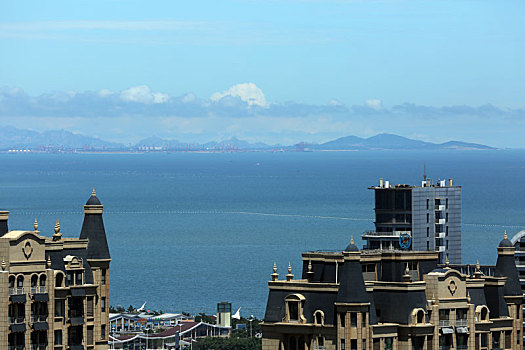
(21, 140)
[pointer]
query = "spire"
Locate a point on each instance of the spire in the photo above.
(447, 263)
(289, 276)
(93, 229)
(48, 263)
(35, 225)
(352, 240)
(406, 276)
(478, 274)
(274, 275)
(505, 235)
(310, 273)
(57, 235)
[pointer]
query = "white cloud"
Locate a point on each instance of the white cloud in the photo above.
(105, 93)
(143, 94)
(374, 104)
(247, 92)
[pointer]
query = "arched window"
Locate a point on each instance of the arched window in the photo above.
(34, 281)
(12, 280)
(20, 281)
(319, 317)
(484, 314)
(59, 279)
(43, 281)
(294, 308)
(420, 316)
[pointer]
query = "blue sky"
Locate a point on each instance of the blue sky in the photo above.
(306, 55)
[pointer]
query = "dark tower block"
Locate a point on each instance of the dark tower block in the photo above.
(4, 216)
(98, 258)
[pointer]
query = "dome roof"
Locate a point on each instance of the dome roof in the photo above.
(505, 243)
(93, 200)
(351, 247)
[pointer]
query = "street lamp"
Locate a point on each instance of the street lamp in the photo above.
(251, 320)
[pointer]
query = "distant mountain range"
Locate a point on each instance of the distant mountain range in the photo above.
(13, 138)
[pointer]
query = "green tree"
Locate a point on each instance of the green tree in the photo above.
(216, 343)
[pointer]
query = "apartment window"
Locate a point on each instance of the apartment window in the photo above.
(342, 318)
(69, 279)
(447, 231)
(58, 337)
(78, 280)
(342, 344)
(89, 306)
(518, 337)
(103, 277)
(60, 306)
(446, 217)
(353, 344)
(353, 319)
(483, 340)
(446, 203)
(428, 231)
(447, 244)
(103, 304)
(428, 245)
(388, 343)
(363, 319)
(90, 335)
(103, 332)
(364, 344)
(495, 340)
(508, 341)
(428, 218)
(428, 205)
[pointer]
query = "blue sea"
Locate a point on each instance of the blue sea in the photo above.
(188, 230)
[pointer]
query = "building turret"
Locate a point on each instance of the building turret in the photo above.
(505, 266)
(4, 216)
(93, 229)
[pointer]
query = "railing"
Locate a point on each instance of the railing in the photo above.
(38, 318)
(38, 346)
(38, 289)
(16, 347)
(444, 323)
(440, 234)
(461, 323)
(440, 207)
(319, 348)
(461, 347)
(76, 313)
(445, 347)
(16, 291)
(16, 319)
(440, 221)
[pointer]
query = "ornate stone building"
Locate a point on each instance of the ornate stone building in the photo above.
(393, 300)
(53, 290)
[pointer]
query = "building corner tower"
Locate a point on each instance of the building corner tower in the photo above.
(99, 259)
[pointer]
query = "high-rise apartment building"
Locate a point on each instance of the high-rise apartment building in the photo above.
(54, 291)
(423, 218)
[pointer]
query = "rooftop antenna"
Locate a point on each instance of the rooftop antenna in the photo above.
(425, 171)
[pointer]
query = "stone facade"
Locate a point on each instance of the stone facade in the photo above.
(394, 300)
(54, 291)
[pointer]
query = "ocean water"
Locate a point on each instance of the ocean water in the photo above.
(189, 230)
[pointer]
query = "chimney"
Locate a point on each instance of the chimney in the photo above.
(4, 216)
(450, 184)
(381, 182)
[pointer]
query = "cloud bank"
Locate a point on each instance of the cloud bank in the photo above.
(243, 111)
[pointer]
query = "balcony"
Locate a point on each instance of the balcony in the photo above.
(38, 318)
(440, 221)
(16, 347)
(444, 323)
(38, 290)
(16, 291)
(440, 234)
(461, 322)
(440, 207)
(440, 249)
(38, 346)
(444, 347)
(16, 319)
